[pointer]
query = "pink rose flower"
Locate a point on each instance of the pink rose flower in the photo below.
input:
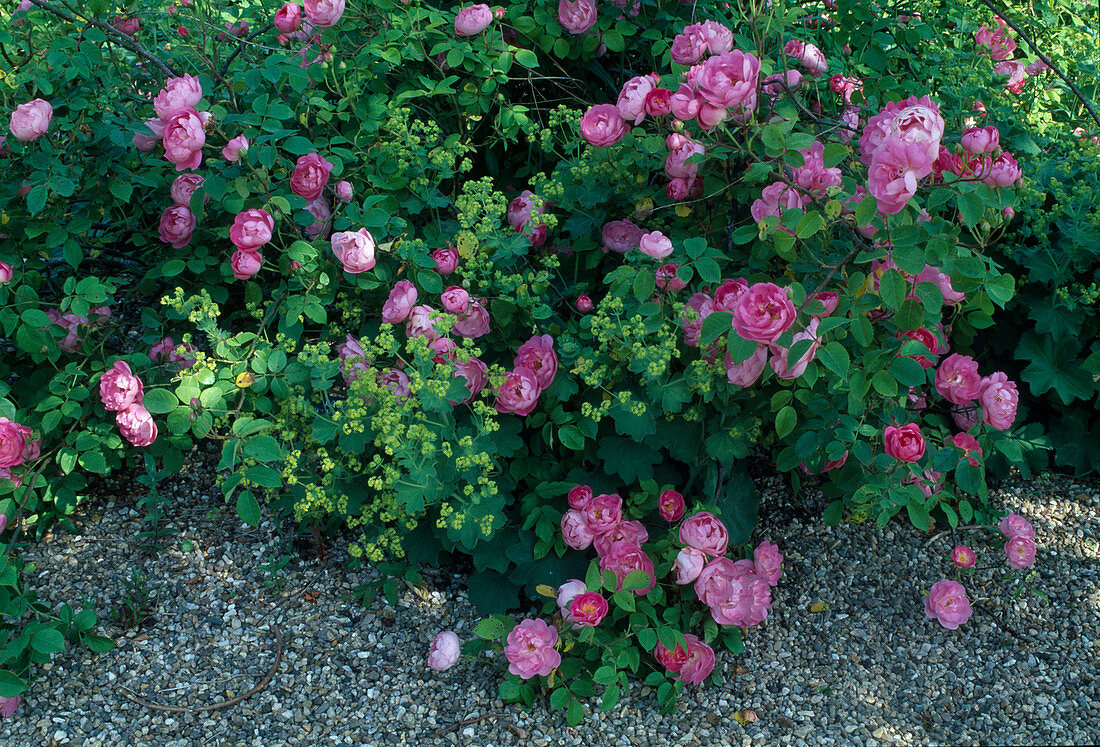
(632, 97)
(763, 313)
(699, 663)
(623, 560)
(779, 360)
(183, 139)
(128, 26)
(177, 224)
(1003, 172)
(948, 603)
(894, 172)
(456, 299)
(688, 565)
(996, 42)
(602, 126)
(446, 260)
(245, 263)
(579, 497)
(625, 532)
(396, 380)
(537, 355)
(666, 278)
(604, 512)
(401, 300)
(355, 250)
(583, 304)
(588, 609)
(353, 360)
(1015, 525)
(13, 443)
(942, 281)
(177, 95)
(146, 143)
(474, 323)
(775, 199)
(673, 661)
(811, 58)
(6, 273)
(813, 175)
(251, 229)
(166, 352)
(530, 649)
(658, 102)
(1020, 552)
(729, 81)
(567, 592)
(979, 140)
(743, 598)
(288, 18)
(768, 562)
(578, 16)
(575, 530)
(681, 149)
(324, 13)
(420, 324)
(235, 149)
(671, 506)
(745, 373)
(655, 244)
(31, 120)
(963, 557)
(184, 186)
(705, 532)
(344, 191)
(689, 46)
(905, 443)
(311, 171)
(969, 445)
(445, 650)
(957, 379)
(1016, 72)
(928, 339)
(476, 374)
(136, 425)
(621, 236)
(999, 399)
(728, 294)
(519, 392)
(322, 217)
(119, 388)
(473, 19)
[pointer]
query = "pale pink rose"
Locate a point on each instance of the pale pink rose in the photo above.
(1004, 172)
(602, 126)
(913, 120)
(1016, 72)
(353, 360)
(811, 58)
(445, 650)
(322, 217)
(688, 565)
(710, 586)
(522, 212)
(473, 19)
(666, 279)
(136, 425)
(763, 313)
(588, 609)
(31, 120)
(344, 191)
(1036, 68)
(812, 175)
(999, 399)
(446, 260)
(625, 532)
(177, 224)
(623, 560)
(119, 388)
(6, 273)
(251, 228)
(655, 244)
(947, 602)
(776, 198)
(963, 557)
(288, 18)
(474, 323)
(698, 308)
(604, 512)
(8, 706)
(575, 530)
(519, 392)
(530, 649)
(311, 173)
(444, 349)
(744, 599)
(177, 95)
(705, 532)
(420, 324)
(183, 139)
(905, 443)
(745, 373)
(245, 263)
(658, 102)
(768, 562)
(401, 300)
(776, 85)
(699, 663)
(930, 482)
(537, 355)
(621, 236)
(958, 380)
(632, 97)
(583, 304)
(567, 592)
(894, 172)
(396, 380)
(235, 149)
(718, 37)
(779, 360)
(1020, 552)
(578, 16)
(355, 250)
(981, 140)
(729, 81)
(323, 13)
(184, 186)
(166, 352)
(689, 46)
(676, 162)
(1015, 525)
(685, 103)
(579, 497)
(456, 299)
(13, 443)
(670, 504)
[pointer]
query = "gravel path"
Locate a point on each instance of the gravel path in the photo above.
(868, 668)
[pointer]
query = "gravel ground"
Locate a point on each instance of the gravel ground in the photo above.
(867, 668)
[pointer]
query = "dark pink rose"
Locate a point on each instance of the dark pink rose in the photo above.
(579, 497)
(632, 97)
(129, 26)
(473, 19)
(729, 81)
(344, 191)
(6, 273)
(575, 530)
(245, 263)
(768, 562)
(588, 609)
(519, 392)
(947, 602)
(957, 379)
(177, 224)
(763, 313)
(676, 162)
(474, 323)
(689, 46)
(288, 18)
(400, 302)
(456, 300)
(446, 260)
(969, 446)
(136, 425)
(980, 140)
(310, 175)
(699, 662)
(672, 660)
(928, 339)
(13, 443)
(251, 229)
(184, 186)
(1003, 172)
(706, 533)
(183, 139)
(621, 236)
(583, 304)
(235, 149)
(537, 355)
(355, 250)
(396, 380)
(963, 557)
(624, 559)
(894, 172)
(322, 217)
(905, 443)
(602, 126)
(780, 363)
(744, 599)
(710, 586)
(671, 506)
(604, 512)
(353, 360)
(776, 198)
(666, 278)
(658, 102)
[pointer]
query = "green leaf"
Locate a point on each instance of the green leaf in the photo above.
(1054, 366)
(833, 513)
(48, 641)
(575, 713)
(918, 514)
(739, 349)
(98, 644)
(834, 357)
(809, 224)
(491, 592)
(785, 421)
(611, 697)
(93, 461)
(627, 458)
(248, 508)
(10, 685)
(1001, 289)
(36, 200)
(263, 448)
(490, 628)
(605, 675)
(560, 698)
(971, 208)
(739, 504)
(834, 154)
(571, 438)
(892, 288)
(160, 401)
(527, 58)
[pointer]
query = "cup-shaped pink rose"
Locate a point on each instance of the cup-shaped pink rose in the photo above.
(577, 16)
(689, 46)
(251, 229)
(666, 278)
(655, 244)
(178, 94)
(31, 120)
(235, 149)
(623, 560)
(183, 139)
(705, 532)
(575, 530)
(419, 323)
(763, 313)
(344, 191)
(1020, 552)
(730, 81)
(288, 18)
(745, 373)
(567, 592)
(768, 562)
(13, 443)
(6, 273)
(632, 97)
(530, 649)
(310, 175)
(456, 299)
(474, 323)
(519, 392)
(8, 706)
(972, 450)
(963, 557)
(947, 602)
(1015, 525)
(588, 609)
(476, 374)
(894, 172)
(688, 565)
(537, 355)
(445, 651)
(999, 399)
(446, 260)
(684, 159)
(743, 600)
(602, 125)
(184, 186)
(136, 425)
(322, 217)
(957, 379)
(658, 102)
(355, 250)
(177, 224)
(628, 532)
(905, 443)
(670, 504)
(780, 360)
(583, 304)
(671, 660)
(621, 236)
(473, 19)
(401, 300)
(245, 263)
(604, 512)
(981, 140)
(324, 13)
(579, 497)
(699, 663)
(128, 26)
(119, 388)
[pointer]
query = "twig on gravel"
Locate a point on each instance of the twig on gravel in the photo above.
(467, 722)
(949, 531)
(225, 703)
